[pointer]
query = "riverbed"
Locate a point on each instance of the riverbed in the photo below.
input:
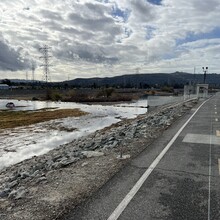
(22, 143)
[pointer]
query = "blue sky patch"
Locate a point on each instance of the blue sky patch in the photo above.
(149, 32)
(128, 32)
(103, 1)
(194, 37)
(169, 56)
(155, 2)
(117, 12)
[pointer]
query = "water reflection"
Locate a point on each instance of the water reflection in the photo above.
(35, 105)
(24, 142)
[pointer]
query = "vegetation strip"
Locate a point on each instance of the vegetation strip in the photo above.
(12, 119)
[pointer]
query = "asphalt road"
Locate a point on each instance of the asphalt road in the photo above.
(184, 185)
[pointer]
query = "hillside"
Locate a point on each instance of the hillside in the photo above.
(146, 80)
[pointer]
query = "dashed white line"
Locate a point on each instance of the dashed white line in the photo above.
(216, 119)
(121, 207)
(219, 166)
(210, 170)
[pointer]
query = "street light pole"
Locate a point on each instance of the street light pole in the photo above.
(205, 70)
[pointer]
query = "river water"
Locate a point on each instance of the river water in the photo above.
(24, 142)
(36, 105)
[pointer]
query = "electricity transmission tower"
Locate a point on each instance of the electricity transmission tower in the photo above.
(137, 70)
(45, 50)
(33, 67)
(26, 75)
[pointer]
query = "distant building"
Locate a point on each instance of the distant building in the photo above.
(4, 86)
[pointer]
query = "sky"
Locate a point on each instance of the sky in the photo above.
(104, 38)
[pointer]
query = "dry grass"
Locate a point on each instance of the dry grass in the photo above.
(12, 119)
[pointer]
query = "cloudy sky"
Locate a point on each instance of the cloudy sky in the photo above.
(96, 38)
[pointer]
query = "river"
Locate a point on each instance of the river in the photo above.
(25, 142)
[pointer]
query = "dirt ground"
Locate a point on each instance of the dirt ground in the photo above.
(62, 190)
(67, 187)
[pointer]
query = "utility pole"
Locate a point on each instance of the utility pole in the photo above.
(205, 70)
(46, 62)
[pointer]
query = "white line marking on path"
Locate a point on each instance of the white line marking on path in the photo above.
(219, 166)
(216, 119)
(121, 207)
(210, 169)
(202, 139)
(216, 113)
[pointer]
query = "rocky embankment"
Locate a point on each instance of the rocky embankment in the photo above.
(44, 187)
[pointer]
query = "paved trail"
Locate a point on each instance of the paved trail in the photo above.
(181, 182)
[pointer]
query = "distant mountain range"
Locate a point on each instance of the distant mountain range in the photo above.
(177, 79)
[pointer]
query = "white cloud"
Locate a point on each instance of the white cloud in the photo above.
(88, 36)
